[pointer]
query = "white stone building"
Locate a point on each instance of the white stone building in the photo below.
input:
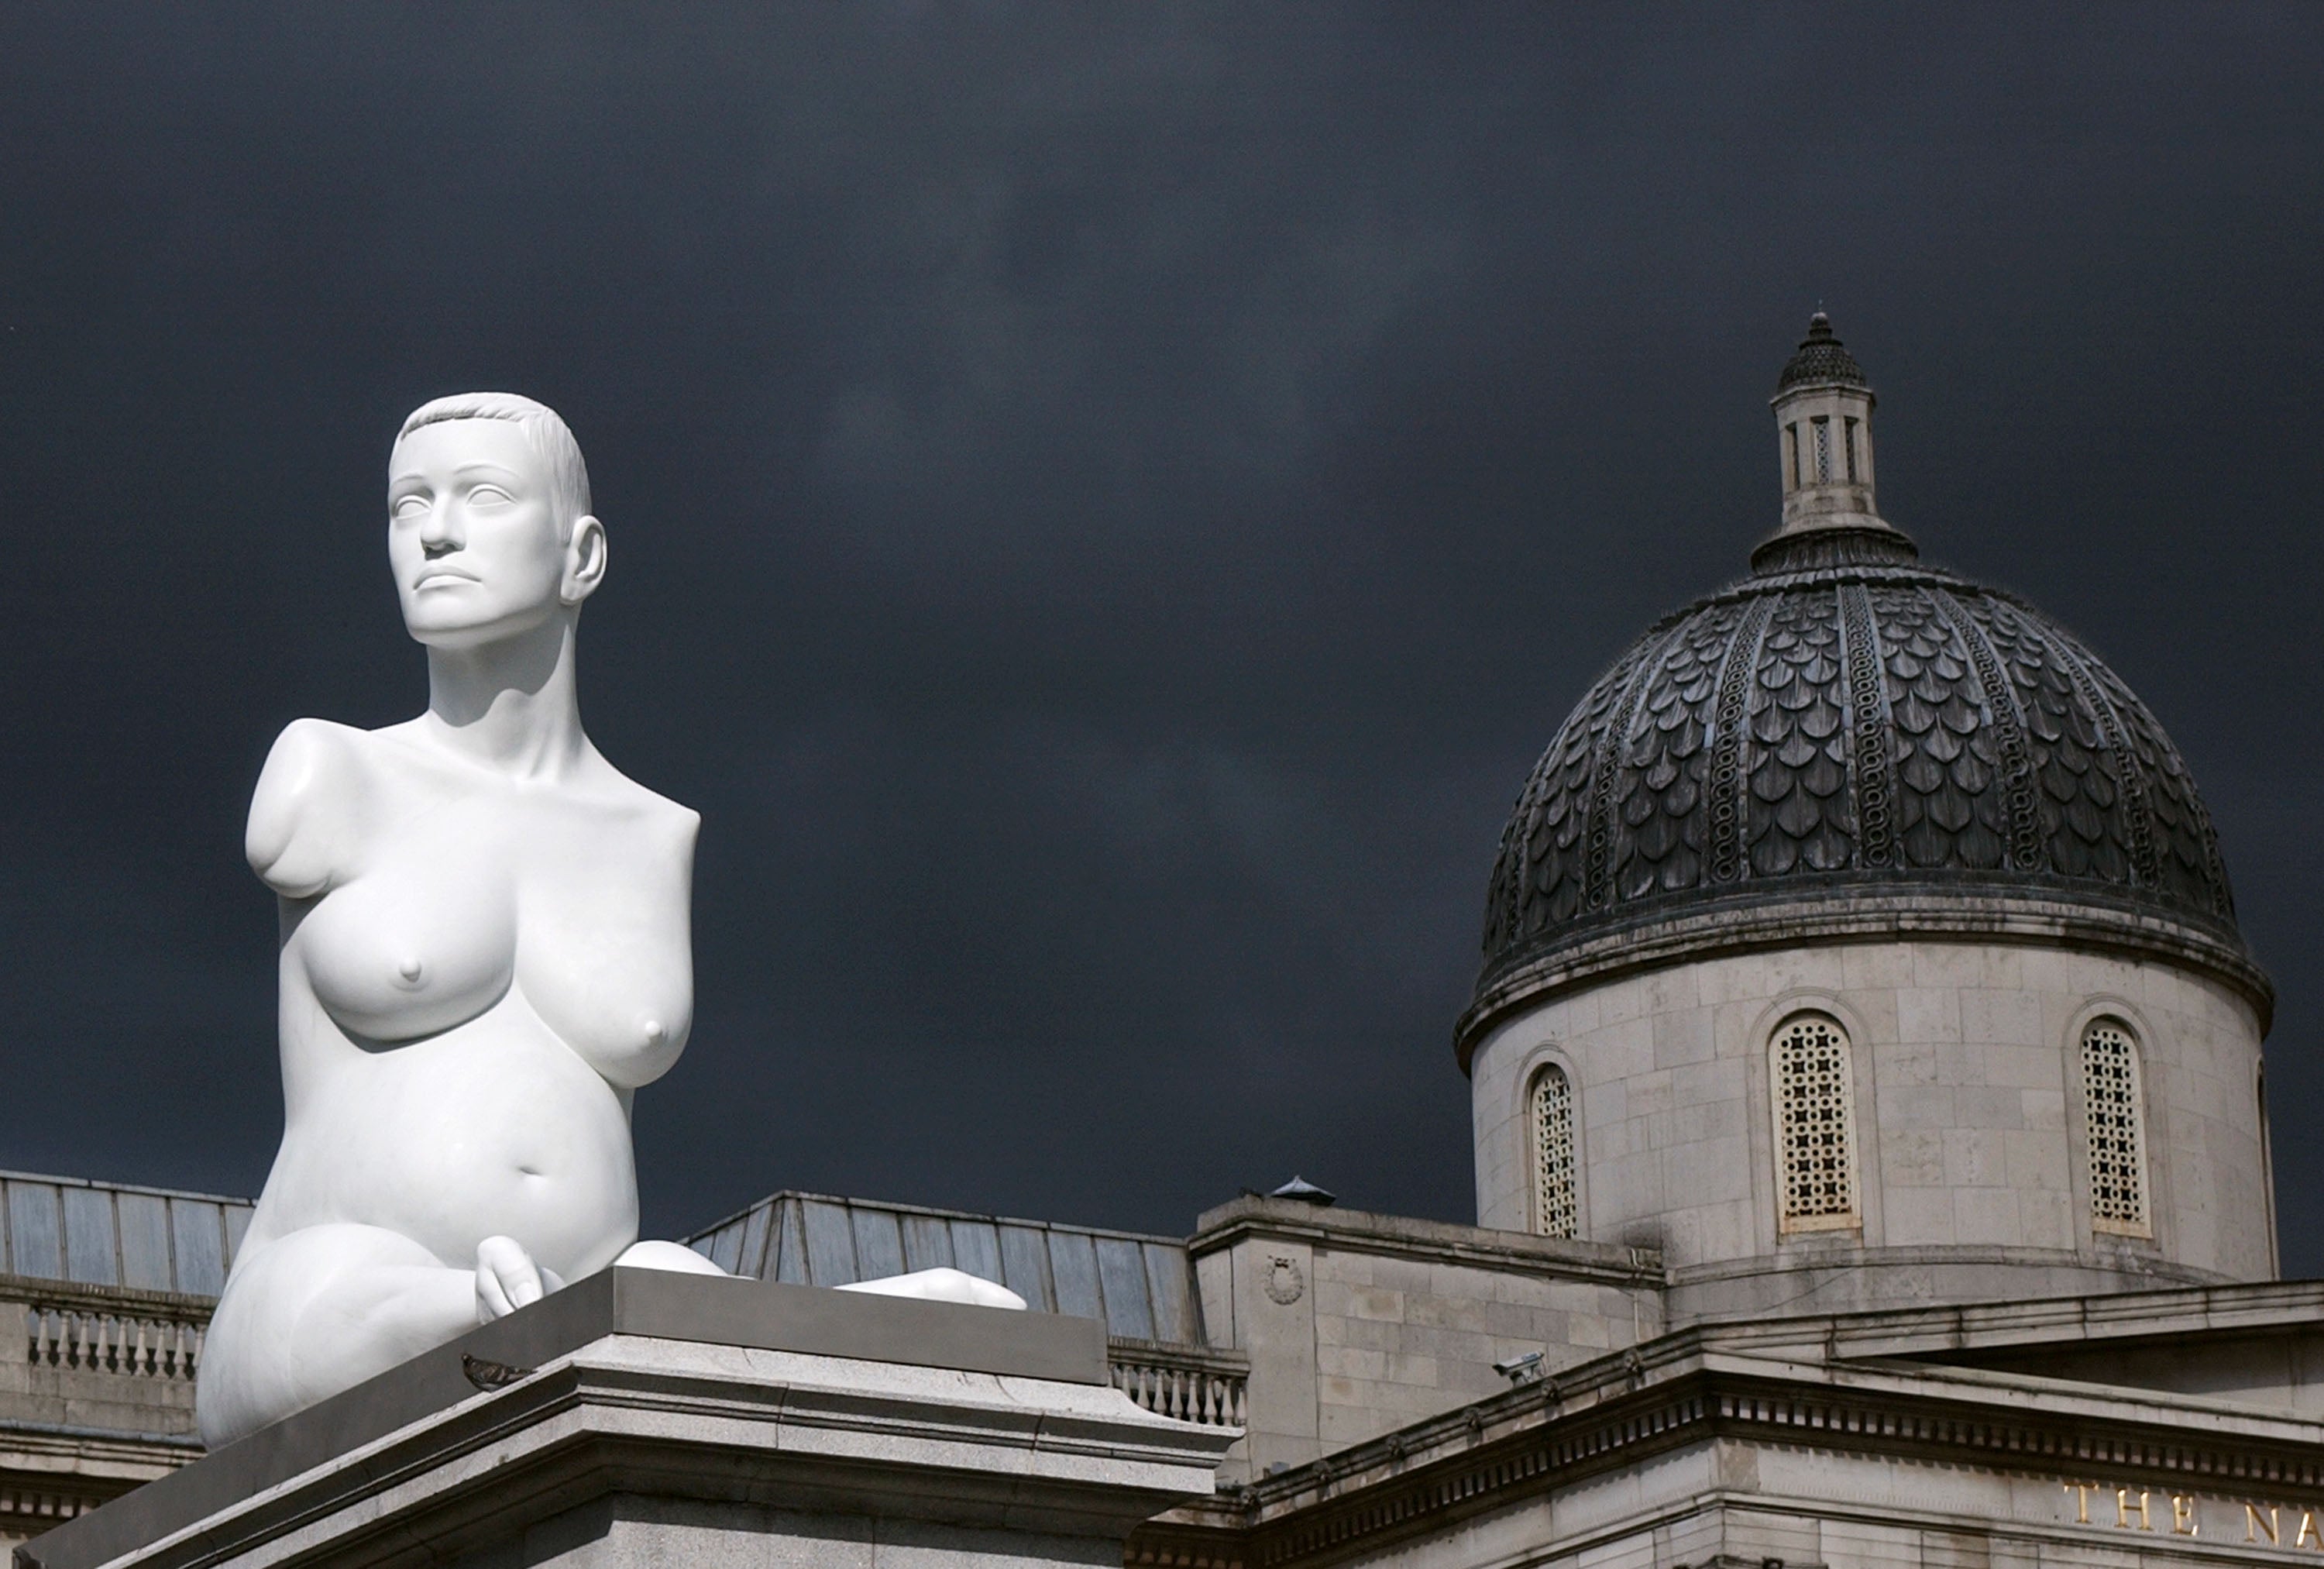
(1870, 1147)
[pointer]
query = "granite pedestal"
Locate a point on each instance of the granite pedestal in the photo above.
(648, 1418)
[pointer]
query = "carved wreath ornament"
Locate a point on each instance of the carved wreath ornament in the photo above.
(1284, 1282)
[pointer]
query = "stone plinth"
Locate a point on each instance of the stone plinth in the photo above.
(648, 1418)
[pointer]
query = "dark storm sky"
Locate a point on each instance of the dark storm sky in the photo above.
(1106, 505)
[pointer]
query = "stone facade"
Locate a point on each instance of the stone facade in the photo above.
(644, 1417)
(1355, 1324)
(1832, 1440)
(88, 1413)
(105, 1292)
(1972, 1139)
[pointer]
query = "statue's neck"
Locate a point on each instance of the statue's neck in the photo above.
(511, 706)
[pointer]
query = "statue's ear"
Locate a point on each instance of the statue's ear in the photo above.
(584, 561)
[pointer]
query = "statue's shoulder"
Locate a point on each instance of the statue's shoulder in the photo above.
(658, 817)
(305, 804)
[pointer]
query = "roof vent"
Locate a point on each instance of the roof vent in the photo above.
(1302, 1191)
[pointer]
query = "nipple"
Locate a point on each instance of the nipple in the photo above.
(654, 1032)
(408, 969)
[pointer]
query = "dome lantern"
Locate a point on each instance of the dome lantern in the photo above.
(1823, 432)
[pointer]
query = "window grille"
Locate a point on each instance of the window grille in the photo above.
(1823, 451)
(1793, 431)
(1816, 1138)
(2113, 1106)
(1557, 1208)
(1851, 452)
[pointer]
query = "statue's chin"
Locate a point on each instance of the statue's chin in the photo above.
(445, 627)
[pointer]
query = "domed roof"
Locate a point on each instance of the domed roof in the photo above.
(1853, 730)
(1821, 358)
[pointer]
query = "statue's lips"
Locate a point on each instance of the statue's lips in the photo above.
(428, 578)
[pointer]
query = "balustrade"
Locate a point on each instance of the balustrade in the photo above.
(113, 1342)
(1181, 1383)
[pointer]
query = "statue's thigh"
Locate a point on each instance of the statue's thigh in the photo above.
(302, 1318)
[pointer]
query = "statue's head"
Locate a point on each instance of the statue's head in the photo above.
(489, 528)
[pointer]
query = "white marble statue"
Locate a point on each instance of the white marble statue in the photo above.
(484, 951)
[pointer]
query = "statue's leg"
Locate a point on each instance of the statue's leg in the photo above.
(942, 1285)
(673, 1257)
(317, 1311)
(927, 1285)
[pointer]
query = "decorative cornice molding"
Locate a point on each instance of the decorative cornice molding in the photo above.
(1426, 1242)
(695, 1419)
(1620, 1411)
(40, 1291)
(2122, 1262)
(1857, 907)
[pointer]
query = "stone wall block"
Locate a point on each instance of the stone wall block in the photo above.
(1916, 1107)
(1621, 1049)
(1986, 1215)
(1917, 1216)
(1913, 1157)
(1899, 1063)
(2045, 1216)
(1629, 1000)
(1926, 1013)
(1875, 966)
(2008, 1018)
(1349, 1362)
(1710, 1121)
(2044, 1109)
(1684, 1037)
(2035, 1161)
(1401, 1277)
(1991, 1108)
(1366, 1334)
(2039, 1067)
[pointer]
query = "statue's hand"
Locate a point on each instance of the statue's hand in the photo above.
(506, 1278)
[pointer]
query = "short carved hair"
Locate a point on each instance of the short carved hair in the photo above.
(552, 437)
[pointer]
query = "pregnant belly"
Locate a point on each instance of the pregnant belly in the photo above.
(493, 1128)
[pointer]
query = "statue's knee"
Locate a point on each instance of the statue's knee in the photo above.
(671, 1256)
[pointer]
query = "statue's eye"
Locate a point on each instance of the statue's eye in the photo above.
(410, 506)
(491, 495)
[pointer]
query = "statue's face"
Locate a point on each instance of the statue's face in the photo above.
(472, 536)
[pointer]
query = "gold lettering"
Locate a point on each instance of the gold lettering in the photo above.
(2122, 1509)
(2251, 1519)
(2307, 1530)
(2081, 1491)
(2183, 1516)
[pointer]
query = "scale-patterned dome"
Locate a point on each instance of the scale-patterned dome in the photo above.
(1882, 723)
(1851, 729)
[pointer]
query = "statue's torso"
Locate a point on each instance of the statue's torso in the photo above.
(488, 966)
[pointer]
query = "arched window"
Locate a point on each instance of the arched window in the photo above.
(1815, 1126)
(1557, 1196)
(2114, 1104)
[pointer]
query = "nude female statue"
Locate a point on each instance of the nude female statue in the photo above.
(484, 951)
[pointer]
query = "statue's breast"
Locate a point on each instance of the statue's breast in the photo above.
(605, 958)
(422, 938)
